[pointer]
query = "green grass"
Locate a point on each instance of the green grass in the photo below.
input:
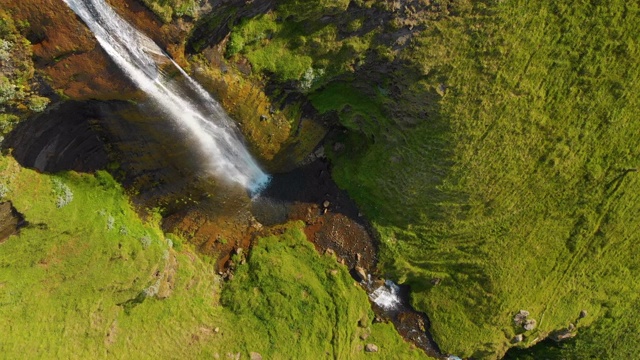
(357, 111)
(287, 294)
(166, 10)
(292, 43)
(512, 187)
(89, 271)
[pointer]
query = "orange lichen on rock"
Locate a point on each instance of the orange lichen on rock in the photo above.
(69, 56)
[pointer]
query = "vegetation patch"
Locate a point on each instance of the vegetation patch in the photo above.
(287, 294)
(17, 95)
(516, 187)
(167, 9)
(86, 266)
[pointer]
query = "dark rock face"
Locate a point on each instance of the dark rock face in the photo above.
(216, 26)
(63, 138)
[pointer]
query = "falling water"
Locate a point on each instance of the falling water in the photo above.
(198, 115)
(386, 296)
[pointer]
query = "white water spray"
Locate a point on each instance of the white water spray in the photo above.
(386, 296)
(202, 118)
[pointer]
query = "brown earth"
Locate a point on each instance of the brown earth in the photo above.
(70, 58)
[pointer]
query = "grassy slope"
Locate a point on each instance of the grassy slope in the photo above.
(286, 294)
(515, 191)
(77, 273)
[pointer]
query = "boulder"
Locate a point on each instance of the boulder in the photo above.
(361, 273)
(530, 324)
(371, 348)
(520, 317)
(562, 335)
(517, 339)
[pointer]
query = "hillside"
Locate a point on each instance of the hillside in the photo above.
(492, 145)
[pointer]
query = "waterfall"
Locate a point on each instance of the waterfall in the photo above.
(192, 109)
(386, 296)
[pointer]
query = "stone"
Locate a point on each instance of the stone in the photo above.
(520, 317)
(371, 348)
(216, 330)
(326, 204)
(337, 147)
(530, 324)
(255, 356)
(263, 117)
(583, 314)
(358, 257)
(435, 281)
(562, 335)
(362, 274)
(330, 252)
(517, 339)
(334, 272)
(364, 336)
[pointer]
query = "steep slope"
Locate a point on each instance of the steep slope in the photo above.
(491, 144)
(88, 270)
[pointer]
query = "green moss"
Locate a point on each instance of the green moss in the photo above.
(287, 294)
(167, 9)
(299, 41)
(356, 110)
(116, 286)
(16, 75)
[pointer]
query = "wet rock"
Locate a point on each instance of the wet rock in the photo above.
(517, 339)
(61, 139)
(530, 324)
(583, 314)
(361, 273)
(255, 356)
(371, 348)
